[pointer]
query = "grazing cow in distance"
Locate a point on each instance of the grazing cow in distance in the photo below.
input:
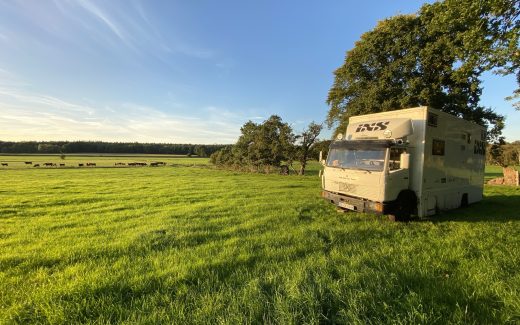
(154, 164)
(28, 162)
(91, 164)
(36, 165)
(48, 164)
(119, 164)
(62, 165)
(5, 164)
(80, 165)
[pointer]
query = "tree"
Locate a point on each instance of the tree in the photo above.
(261, 146)
(320, 145)
(200, 151)
(503, 154)
(307, 139)
(496, 153)
(486, 33)
(266, 144)
(222, 157)
(428, 59)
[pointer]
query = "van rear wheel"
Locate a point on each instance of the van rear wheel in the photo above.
(464, 200)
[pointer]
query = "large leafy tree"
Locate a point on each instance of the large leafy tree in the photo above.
(269, 144)
(265, 144)
(434, 58)
(485, 33)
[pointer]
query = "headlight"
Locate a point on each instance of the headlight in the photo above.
(375, 206)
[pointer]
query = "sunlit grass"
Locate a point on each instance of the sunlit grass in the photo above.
(182, 244)
(101, 160)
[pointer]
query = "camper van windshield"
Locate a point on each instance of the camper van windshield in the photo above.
(364, 159)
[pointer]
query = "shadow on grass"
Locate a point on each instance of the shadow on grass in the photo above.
(490, 176)
(493, 208)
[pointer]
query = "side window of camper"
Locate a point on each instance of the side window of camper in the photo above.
(395, 158)
(432, 119)
(438, 147)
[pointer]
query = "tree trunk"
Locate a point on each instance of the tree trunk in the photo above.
(302, 167)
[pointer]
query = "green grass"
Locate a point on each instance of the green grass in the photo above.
(182, 244)
(493, 172)
(101, 160)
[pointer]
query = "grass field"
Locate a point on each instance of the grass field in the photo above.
(190, 244)
(101, 160)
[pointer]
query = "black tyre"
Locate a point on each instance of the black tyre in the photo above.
(405, 206)
(464, 200)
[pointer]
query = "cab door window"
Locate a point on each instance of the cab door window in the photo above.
(394, 161)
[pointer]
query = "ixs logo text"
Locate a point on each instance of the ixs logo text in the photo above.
(377, 126)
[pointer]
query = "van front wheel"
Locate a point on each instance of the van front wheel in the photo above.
(405, 205)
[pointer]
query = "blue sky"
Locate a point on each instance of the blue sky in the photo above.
(180, 71)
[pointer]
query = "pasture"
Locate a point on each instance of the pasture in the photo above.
(188, 243)
(73, 161)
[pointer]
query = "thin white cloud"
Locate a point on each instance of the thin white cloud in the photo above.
(133, 27)
(29, 116)
(99, 14)
(9, 79)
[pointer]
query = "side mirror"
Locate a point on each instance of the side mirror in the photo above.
(322, 161)
(405, 161)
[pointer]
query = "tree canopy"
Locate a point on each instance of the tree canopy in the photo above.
(433, 58)
(261, 146)
(268, 145)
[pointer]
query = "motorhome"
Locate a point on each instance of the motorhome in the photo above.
(415, 161)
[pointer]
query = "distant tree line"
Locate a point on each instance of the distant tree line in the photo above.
(65, 147)
(268, 146)
(503, 154)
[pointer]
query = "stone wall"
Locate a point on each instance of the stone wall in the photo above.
(510, 178)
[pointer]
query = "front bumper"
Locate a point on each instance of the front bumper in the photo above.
(356, 204)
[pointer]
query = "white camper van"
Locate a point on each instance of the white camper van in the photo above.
(414, 161)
